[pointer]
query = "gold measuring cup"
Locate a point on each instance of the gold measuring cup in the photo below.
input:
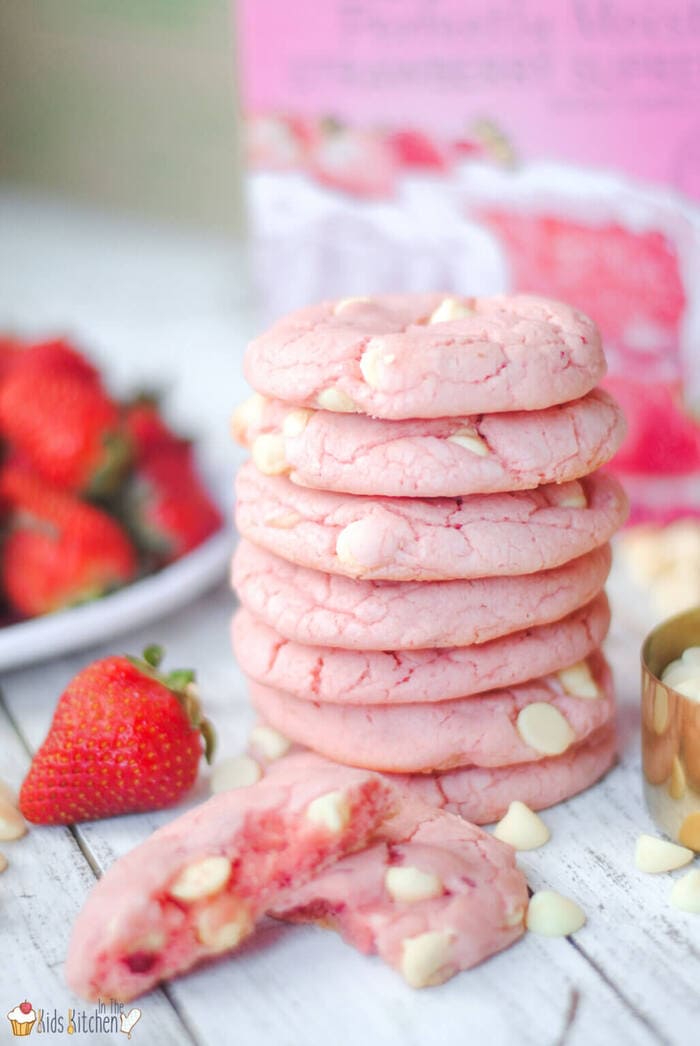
(671, 733)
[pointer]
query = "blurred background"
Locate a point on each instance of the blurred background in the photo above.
(175, 173)
(129, 104)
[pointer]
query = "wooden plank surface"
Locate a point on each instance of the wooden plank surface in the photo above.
(604, 986)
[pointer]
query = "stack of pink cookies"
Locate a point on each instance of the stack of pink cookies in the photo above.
(425, 543)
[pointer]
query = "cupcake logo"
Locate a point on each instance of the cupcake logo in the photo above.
(22, 1018)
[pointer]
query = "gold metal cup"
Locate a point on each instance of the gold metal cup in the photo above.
(671, 733)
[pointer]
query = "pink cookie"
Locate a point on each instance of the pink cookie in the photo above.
(447, 457)
(196, 887)
(329, 610)
(483, 795)
(434, 895)
(518, 725)
(428, 355)
(352, 677)
(410, 539)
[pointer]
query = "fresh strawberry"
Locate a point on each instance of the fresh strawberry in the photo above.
(124, 739)
(416, 151)
(663, 436)
(59, 551)
(164, 501)
(147, 428)
(54, 411)
(55, 354)
(166, 505)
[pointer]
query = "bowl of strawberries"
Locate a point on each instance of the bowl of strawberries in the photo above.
(105, 519)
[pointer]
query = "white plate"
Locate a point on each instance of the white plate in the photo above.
(129, 608)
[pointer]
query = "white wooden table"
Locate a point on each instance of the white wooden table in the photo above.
(164, 306)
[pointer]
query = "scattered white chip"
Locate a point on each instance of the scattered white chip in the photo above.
(470, 440)
(268, 454)
(345, 303)
(7, 794)
(574, 500)
(655, 855)
(334, 399)
(373, 359)
(12, 824)
(544, 728)
(331, 810)
(578, 681)
(348, 537)
(450, 309)
(685, 893)
(521, 828)
(201, 879)
(425, 959)
(222, 926)
(295, 422)
(246, 415)
(269, 742)
(552, 915)
(238, 771)
(405, 883)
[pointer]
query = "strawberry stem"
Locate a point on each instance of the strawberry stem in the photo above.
(153, 655)
(182, 685)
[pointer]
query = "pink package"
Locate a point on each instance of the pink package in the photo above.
(483, 148)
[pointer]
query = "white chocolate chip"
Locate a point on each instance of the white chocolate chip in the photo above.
(578, 681)
(7, 794)
(552, 915)
(12, 824)
(372, 360)
(247, 415)
(424, 958)
(296, 421)
(222, 926)
(515, 917)
(411, 884)
(269, 742)
(331, 810)
(345, 303)
(201, 879)
(238, 771)
(654, 855)
(691, 656)
(521, 828)
(544, 728)
(450, 309)
(284, 522)
(344, 542)
(677, 783)
(336, 400)
(3, 863)
(677, 672)
(577, 499)
(268, 454)
(660, 712)
(470, 440)
(685, 894)
(690, 688)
